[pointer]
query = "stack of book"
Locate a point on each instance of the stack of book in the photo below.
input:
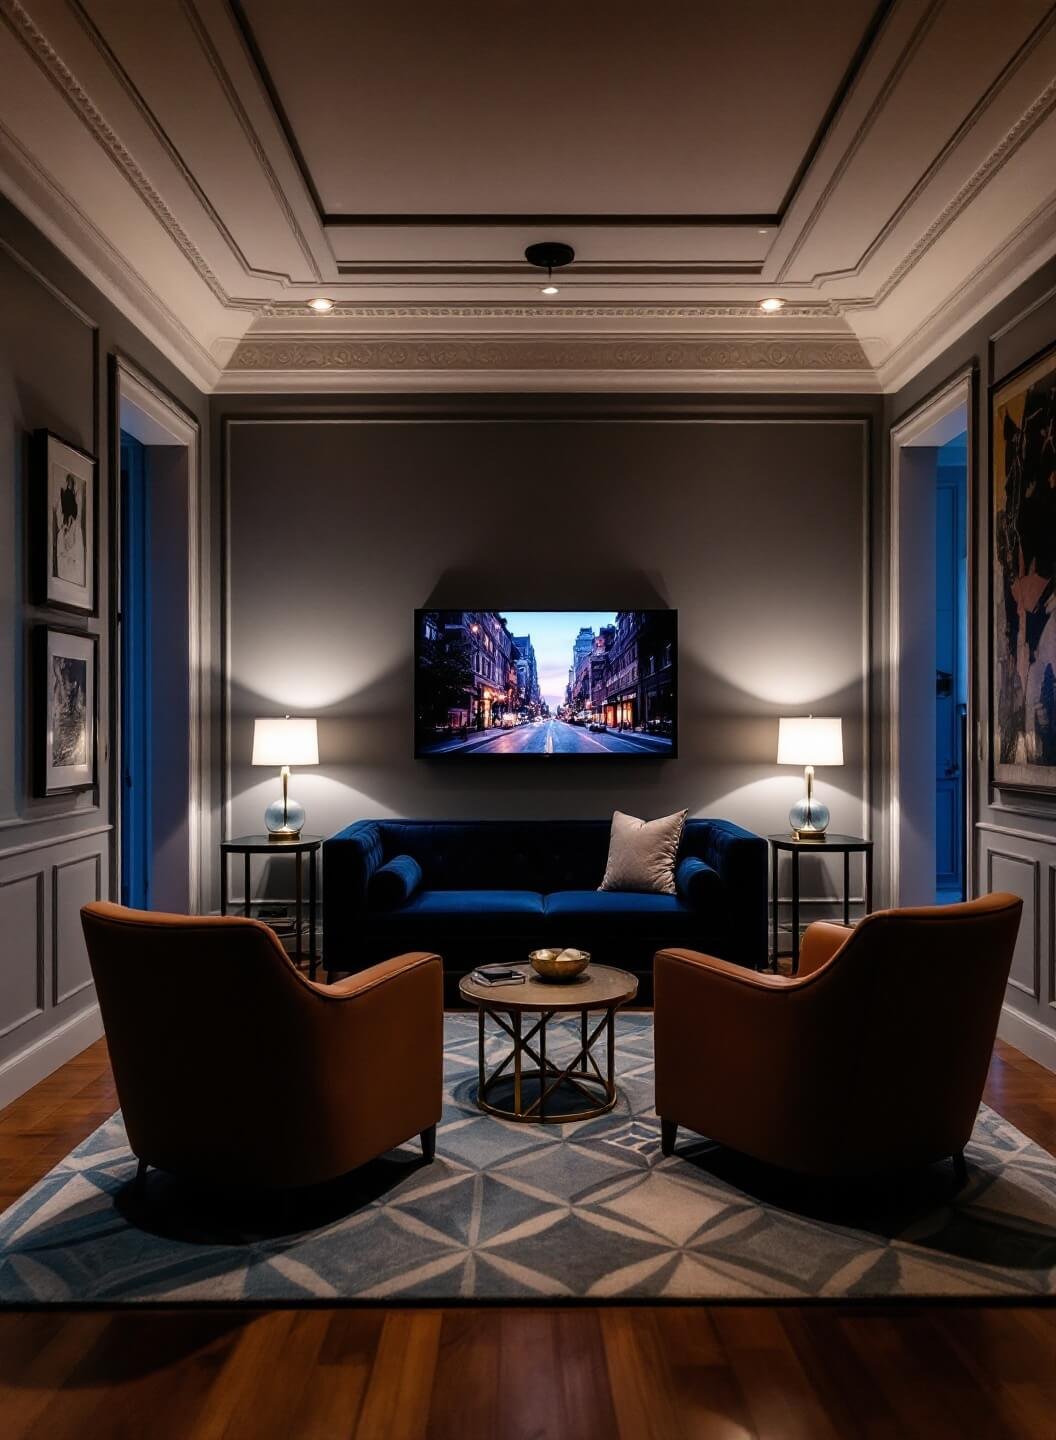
(498, 975)
(278, 918)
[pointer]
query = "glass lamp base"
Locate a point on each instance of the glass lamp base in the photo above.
(809, 819)
(284, 822)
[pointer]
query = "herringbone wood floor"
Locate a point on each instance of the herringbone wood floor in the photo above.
(635, 1373)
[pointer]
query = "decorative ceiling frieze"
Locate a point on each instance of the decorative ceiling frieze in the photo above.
(627, 353)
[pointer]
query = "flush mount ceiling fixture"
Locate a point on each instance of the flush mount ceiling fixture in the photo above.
(550, 255)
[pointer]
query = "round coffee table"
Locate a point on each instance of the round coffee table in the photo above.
(598, 988)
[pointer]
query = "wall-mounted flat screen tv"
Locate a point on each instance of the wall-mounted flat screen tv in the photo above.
(590, 683)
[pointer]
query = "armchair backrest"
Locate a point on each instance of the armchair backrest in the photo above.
(906, 1012)
(209, 1025)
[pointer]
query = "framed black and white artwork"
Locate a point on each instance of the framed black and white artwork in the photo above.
(65, 541)
(65, 716)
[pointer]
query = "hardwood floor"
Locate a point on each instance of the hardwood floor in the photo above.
(635, 1373)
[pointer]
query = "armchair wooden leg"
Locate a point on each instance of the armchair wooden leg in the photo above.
(960, 1169)
(668, 1132)
(429, 1143)
(139, 1184)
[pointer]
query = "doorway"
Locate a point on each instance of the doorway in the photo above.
(930, 821)
(951, 669)
(158, 716)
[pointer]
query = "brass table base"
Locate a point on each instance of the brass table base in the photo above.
(583, 1071)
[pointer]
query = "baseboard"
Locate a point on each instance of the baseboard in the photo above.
(1037, 1041)
(37, 1061)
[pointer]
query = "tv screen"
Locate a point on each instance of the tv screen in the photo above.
(589, 683)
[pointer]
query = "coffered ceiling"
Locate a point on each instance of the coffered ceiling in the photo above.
(888, 170)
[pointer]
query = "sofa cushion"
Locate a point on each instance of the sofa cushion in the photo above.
(443, 913)
(697, 883)
(395, 882)
(642, 853)
(616, 913)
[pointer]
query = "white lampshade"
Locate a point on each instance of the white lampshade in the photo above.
(809, 740)
(285, 742)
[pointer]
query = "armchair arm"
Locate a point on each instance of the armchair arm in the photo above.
(728, 1045)
(366, 980)
(378, 1039)
(820, 943)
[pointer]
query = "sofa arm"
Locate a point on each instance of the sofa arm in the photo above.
(350, 858)
(739, 857)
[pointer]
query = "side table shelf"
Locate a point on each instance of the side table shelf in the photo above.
(845, 845)
(250, 845)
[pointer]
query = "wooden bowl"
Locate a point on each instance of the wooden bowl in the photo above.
(559, 965)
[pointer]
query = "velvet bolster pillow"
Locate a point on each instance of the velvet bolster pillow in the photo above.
(696, 882)
(394, 883)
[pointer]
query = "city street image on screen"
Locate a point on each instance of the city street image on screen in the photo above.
(545, 682)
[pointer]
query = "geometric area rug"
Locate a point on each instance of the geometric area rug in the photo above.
(584, 1211)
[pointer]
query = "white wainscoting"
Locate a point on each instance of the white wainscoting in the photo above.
(1023, 861)
(48, 1011)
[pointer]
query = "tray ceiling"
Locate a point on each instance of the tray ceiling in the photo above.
(486, 109)
(886, 169)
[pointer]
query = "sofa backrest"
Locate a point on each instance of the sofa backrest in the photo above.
(542, 855)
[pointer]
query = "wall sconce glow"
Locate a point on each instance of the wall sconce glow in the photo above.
(321, 305)
(771, 305)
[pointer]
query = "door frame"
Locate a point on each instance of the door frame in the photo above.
(129, 382)
(958, 392)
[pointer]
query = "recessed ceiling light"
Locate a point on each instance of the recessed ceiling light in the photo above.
(321, 305)
(764, 232)
(549, 289)
(770, 305)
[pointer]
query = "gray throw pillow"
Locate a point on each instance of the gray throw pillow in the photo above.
(642, 853)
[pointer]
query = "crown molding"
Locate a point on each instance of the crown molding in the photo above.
(1032, 117)
(1007, 266)
(43, 201)
(566, 310)
(22, 25)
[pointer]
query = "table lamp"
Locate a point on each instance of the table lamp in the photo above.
(808, 742)
(284, 743)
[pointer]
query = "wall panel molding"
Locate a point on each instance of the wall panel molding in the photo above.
(36, 878)
(65, 957)
(1032, 990)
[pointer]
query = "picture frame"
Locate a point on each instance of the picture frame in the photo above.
(66, 666)
(1022, 709)
(65, 529)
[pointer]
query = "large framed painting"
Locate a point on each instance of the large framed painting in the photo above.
(65, 716)
(65, 540)
(1023, 678)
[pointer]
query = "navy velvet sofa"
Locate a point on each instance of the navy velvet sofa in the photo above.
(491, 890)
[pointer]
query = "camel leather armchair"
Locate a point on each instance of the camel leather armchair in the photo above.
(872, 1058)
(231, 1067)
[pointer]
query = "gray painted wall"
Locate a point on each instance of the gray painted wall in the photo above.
(752, 526)
(1015, 846)
(56, 333)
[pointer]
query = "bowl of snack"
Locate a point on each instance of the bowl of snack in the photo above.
(559, 965)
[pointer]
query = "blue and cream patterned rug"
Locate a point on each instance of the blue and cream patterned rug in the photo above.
(546, 1213)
